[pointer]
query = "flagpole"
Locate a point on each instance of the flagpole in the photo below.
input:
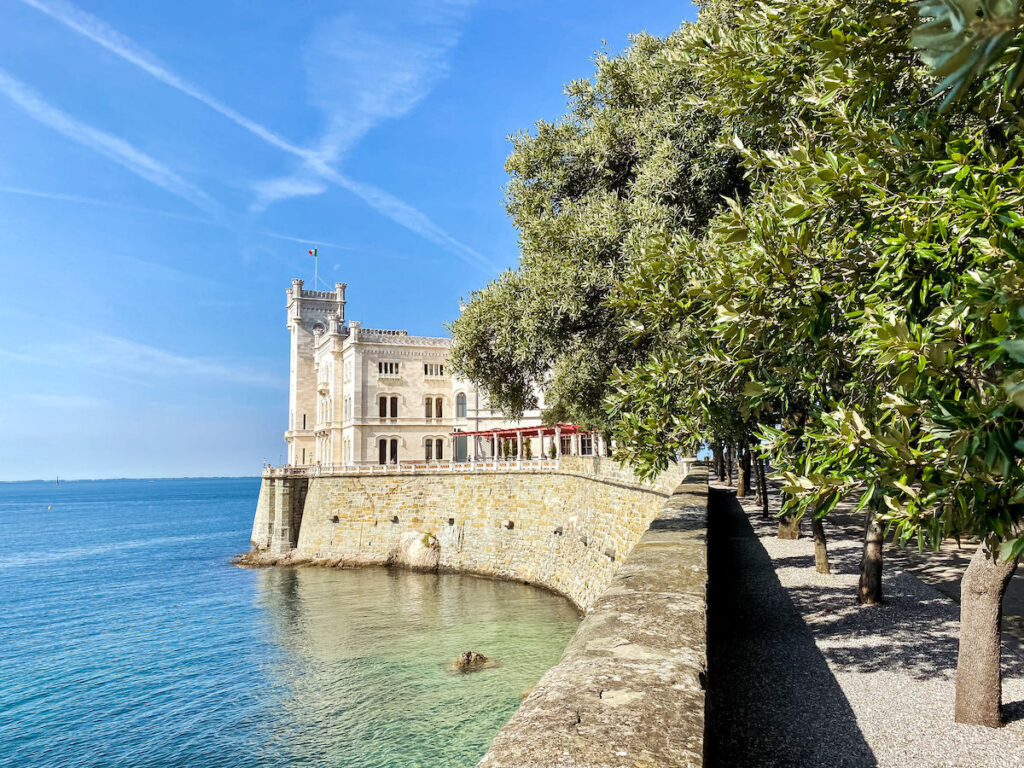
(315, 253)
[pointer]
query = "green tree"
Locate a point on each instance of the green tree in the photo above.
(963, 39)
(862, 301)
(856, 302)
(632, 159)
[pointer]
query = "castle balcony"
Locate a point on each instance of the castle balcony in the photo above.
(409, 421)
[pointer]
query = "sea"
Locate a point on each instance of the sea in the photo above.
(128, 639)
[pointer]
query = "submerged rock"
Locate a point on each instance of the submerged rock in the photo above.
(418, 551)
(470, 661)
(255, 559)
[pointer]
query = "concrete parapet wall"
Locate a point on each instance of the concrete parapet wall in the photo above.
(568, 529)
(629, 690)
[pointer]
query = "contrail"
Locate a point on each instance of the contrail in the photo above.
(118, 150)
(380, 200)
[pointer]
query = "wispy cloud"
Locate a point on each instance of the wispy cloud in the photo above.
(122, 356)
(106, 36)
(361, 73)
(118, 150)
(271, 191)
(6, 189)
(82, 200)
(126, 360)
(76, 402)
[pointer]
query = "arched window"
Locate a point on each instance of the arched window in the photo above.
(394, 407)
(394, 450)
(460, 405)
(383, 407)
(429, 408)
(383, 451)
(429, 449)
(437, 407)
(438, 448)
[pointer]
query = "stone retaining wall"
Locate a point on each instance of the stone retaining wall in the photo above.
(567, 529)
(629, 690)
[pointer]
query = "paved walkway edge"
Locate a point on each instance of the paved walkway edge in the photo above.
(630, 687)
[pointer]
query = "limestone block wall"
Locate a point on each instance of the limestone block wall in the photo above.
(567, 530)
(630, 687)
(279, 510)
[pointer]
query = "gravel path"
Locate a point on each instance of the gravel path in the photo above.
(801, 675)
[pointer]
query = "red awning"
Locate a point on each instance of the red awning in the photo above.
(545, 431)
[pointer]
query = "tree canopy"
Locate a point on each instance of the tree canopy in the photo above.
(773, 223)
(633, 159)
(793, 223)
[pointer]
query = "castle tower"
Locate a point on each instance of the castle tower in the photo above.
(308, 314)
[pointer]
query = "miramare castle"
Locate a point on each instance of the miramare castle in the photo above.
(363, 395)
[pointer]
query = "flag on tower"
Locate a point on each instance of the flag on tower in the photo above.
(313, 252)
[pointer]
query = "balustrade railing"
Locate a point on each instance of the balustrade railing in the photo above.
(371, 468)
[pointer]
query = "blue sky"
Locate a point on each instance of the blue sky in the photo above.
(164, 168)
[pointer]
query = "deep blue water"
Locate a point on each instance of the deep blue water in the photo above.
(127, 639)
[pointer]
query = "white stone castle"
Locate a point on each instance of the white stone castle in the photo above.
(368, 396)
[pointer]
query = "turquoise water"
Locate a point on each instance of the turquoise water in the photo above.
(128, 640)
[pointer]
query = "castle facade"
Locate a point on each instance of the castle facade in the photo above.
(365, 395)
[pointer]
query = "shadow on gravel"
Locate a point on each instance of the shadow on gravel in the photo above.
(772, 700)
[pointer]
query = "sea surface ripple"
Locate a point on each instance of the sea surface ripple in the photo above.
(128, 640)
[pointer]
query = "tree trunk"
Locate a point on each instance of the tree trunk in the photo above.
(764, 490)
(820, 546)
(728, 467)
(719, 461)
(789, 527)
(979, 688)
(870, 589)
(743, 489)
(756, 467)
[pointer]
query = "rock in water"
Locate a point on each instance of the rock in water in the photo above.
(469, 661)
(418, 551)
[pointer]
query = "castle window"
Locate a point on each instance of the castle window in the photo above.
(433, 369)
(429, 448)
(429, 403)
(394, 407)
(438, 409)
(383, 452)
(438, 448)
(460, 405)
(394, 451)
(387, 368)
(383, 407)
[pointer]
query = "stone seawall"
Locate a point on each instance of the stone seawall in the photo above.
(630, 687)
(567, 529)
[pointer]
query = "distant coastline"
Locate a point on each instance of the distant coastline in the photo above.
(134, 479)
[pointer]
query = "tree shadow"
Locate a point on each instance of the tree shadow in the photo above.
(772, 699)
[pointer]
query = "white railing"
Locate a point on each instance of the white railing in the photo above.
(368, 468)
